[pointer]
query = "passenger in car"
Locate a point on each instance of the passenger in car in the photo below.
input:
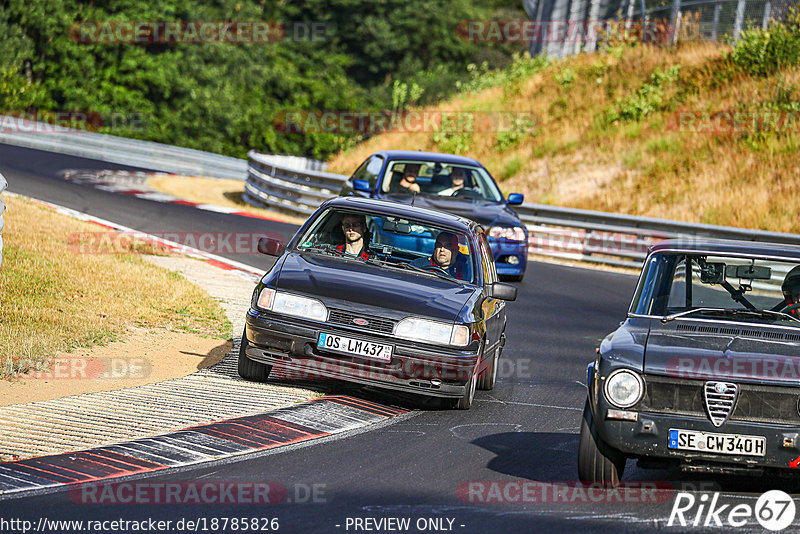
(355, 243)
(446, 256)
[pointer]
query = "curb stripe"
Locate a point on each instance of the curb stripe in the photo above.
(196, 445)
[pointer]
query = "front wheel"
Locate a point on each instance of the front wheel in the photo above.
(466, 401)
(488, 377)
(250, 369)
(597, 461)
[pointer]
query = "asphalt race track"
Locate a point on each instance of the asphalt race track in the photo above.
(425, 471)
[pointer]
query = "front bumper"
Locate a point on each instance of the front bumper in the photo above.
(291, 344)
(503, 250)
(648, 437)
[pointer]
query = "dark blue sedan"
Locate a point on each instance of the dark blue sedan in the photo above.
(337, 304)
(451, 183)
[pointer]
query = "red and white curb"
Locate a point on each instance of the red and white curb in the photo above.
(315, 419)
(96, 180)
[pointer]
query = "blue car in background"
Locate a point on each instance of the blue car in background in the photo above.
(446, 182)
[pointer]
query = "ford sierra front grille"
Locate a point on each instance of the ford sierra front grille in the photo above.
(720, 399)
(360, 321)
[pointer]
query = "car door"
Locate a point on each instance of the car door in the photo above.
(494, 311)
(369, 170)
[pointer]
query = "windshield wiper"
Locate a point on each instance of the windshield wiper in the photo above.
(730, 311)
(323, 248)
(404, 265)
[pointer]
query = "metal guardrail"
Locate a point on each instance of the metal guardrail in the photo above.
(156, 156)
(581, 235)
(3, 185)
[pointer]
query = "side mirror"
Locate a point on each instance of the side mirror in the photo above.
(270, 246)
(361, 185)
(515, 198)
(499, 290)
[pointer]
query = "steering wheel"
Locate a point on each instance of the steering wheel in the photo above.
(790, 309)
(437, 269)
(466, 192)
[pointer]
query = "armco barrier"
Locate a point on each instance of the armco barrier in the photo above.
(3, 185)
(582, 235)
(145, 154)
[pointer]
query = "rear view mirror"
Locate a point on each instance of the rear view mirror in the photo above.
(270, 246)
(712, 273)
(499, 290)
(750, 272)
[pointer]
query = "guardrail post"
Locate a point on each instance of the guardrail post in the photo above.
(594, 15)
(715, 25)
(737, 25)
(3, 185)
(767, 13)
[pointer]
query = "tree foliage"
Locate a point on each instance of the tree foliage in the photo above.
(223, 97)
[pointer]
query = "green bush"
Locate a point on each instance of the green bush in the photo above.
(762, 52)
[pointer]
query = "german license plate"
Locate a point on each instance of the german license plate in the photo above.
(691, 440)
(357, 347)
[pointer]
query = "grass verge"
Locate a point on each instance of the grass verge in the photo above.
(643, 130)
(56, 299)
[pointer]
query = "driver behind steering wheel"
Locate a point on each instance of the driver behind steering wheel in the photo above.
(458, 177)
(791, 291)
(445, 254)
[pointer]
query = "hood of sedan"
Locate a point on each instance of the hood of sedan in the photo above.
(367, 288)
(744, 354)
(484, 212)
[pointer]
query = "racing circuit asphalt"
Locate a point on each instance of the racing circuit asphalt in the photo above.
(525, 430)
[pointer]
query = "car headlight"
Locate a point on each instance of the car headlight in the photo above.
(510, 234)
(624, 388)
(436, 332)
(289, 304)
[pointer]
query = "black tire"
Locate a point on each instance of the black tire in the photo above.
(488, 377)
(597, 461)
(250, 369)
(512, 277)
(466, 401)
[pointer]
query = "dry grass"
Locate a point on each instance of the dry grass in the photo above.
(577, 158)
(219, 192)
(54, 299)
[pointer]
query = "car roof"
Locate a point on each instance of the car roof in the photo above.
(724, 246)
(427, 156)
(395, 209)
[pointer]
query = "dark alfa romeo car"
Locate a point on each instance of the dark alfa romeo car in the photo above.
(476, 197)
(385, 315)
(705, 372)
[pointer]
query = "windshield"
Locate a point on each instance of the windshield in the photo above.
(466, 182)
(677, 285)
(391, 243)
